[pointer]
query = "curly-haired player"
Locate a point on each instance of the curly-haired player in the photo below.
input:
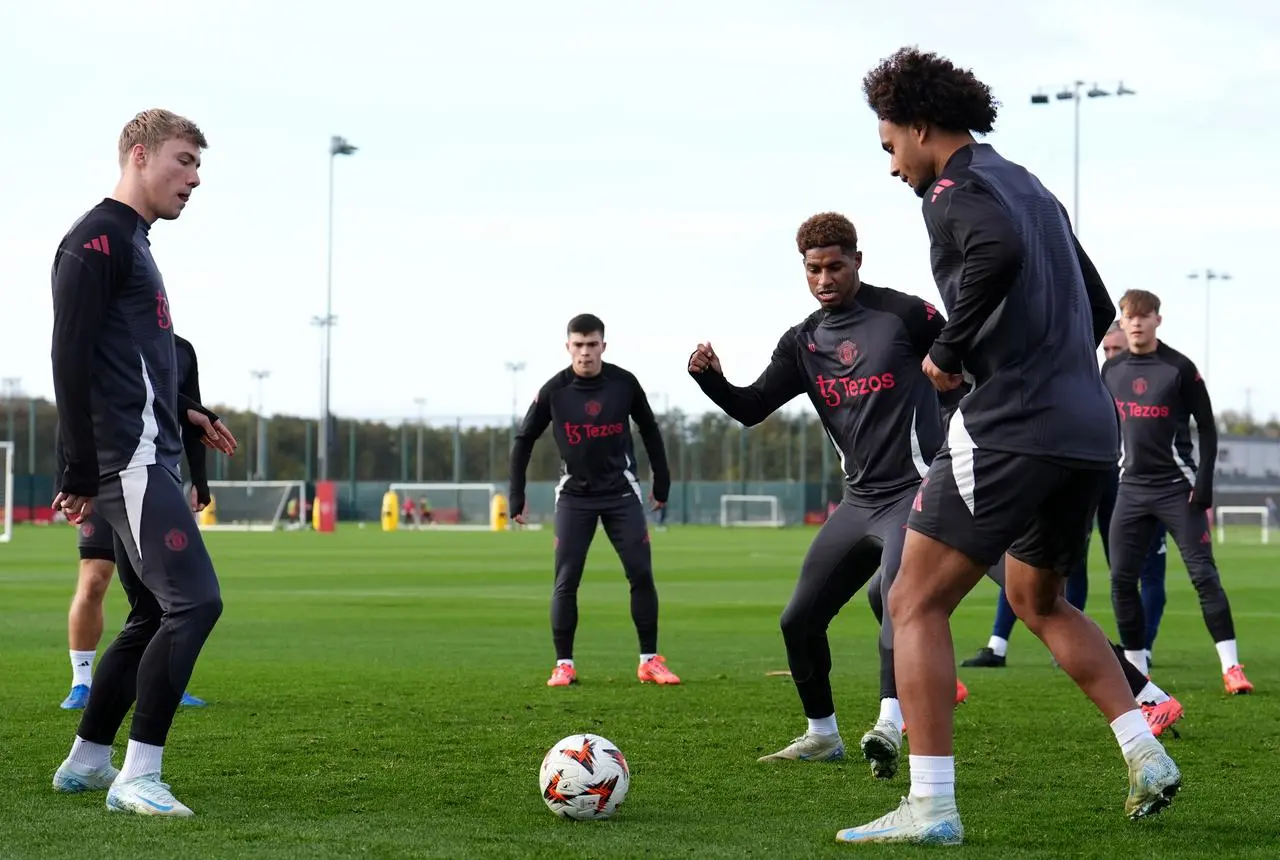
(1028, 450)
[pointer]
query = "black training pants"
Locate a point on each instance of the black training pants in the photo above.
(174, 602)
(1138, 512)
(627, 529)
(844, 555)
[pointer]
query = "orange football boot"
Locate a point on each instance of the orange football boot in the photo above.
(1162, 716)
(655, 671)
(1235, 681)
(562, 676)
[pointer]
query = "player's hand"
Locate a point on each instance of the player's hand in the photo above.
(518, 518)
(76, 508)
(941, 380)
(216, 434)
(197, 504)
(655, 505)
(704, 357)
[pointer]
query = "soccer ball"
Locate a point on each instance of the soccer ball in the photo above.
(584, 777)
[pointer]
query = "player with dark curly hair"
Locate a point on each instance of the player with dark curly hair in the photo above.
(1028, 450)
(857, 358)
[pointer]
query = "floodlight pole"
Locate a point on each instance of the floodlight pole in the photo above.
(1209, 276)
(1073, 94)
(337, 146)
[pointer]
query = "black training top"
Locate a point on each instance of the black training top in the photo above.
(1157, 394)
(192, 435)
(1027, 312)
(115, 365)
(591, 422)
(860, 367)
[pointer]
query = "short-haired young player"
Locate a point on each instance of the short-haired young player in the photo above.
(1029, 448)
(994, 655)
(590, 406)
(120, 416)
(1154, 570)
(1158, 391)
(857, 358)
(97, 547)
(1159, 708)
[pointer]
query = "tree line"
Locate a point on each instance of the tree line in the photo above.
(702, 447)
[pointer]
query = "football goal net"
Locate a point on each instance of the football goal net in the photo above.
(6, 491)
(256, 506)
(456, 507)
(750, 511)
(1239, 516)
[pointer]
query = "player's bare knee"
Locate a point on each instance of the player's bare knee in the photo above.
(94, 579)
(1033, 601)
(906, 603)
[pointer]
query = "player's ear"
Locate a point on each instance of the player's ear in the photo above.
(857, 260)
(603, 346)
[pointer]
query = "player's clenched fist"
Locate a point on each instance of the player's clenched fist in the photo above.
(703, 357)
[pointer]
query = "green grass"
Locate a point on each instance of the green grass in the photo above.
(383, 695)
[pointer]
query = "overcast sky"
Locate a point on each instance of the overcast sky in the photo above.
(522, 162)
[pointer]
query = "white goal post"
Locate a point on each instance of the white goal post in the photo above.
(257, 506)
(6, 491)
(1242, 510)
(451, 507)
(750, 512)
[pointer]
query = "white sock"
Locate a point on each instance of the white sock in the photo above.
(568, 663)
(88, 755)
(645, 658)
(1227, 654)
(82, 667)
(998, 646)
(1132, 732)
(933, 775)
(141, 759)
(891, 712)
(1153, 694)
(823, 726)
(1137, 658)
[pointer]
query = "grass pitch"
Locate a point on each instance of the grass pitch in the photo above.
(383, 695)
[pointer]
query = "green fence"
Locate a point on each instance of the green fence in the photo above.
(691, 502)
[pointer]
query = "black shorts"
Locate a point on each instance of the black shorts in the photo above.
(97, 540)
(985, 503)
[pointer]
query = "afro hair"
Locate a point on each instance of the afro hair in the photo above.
(916, 88)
